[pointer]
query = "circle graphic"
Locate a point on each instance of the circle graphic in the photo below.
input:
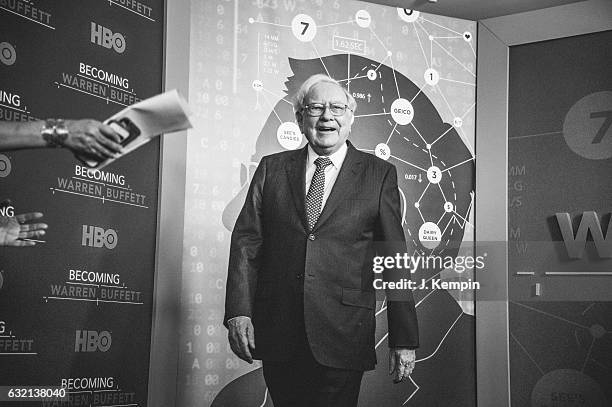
(382, 151)
(372, 74)
(567, 388)
(434, 175)
(430, 235)
(257, 85)
(289, 135)
(119, 43)
(457, 122)
(432, 77)
(467, 36)
(304, 27)
(408, 15)
(5, 166)
(402, 111)
(587, 128)
(8, 55)
(448, 207)
(363, 18)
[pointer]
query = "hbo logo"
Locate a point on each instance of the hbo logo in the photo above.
(94, 236)
(104, 37)
(92, 341)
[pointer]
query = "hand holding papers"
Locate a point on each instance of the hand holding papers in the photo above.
(139, 123)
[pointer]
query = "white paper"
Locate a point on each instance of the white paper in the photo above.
(164, 113)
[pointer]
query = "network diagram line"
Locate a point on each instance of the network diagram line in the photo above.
(419, 92)
(282, 98)
(443, 196)
(420, 213)
(454, 81)
(445, 101)
(319, 56)
(419, 133)
(423, 193)
(527, 353)
(391, 134)
(272, 107)
(268, 23)
(469, 109)
(406, 162)
(414, 392)
(447, 225)
(587, 356)
(440, 219)
(456, 165)
(455, 58)
(550, 315)
(464, 220)
(341, 22)
(442, 135)
(442, 341)
(421, 45)
(441, 26)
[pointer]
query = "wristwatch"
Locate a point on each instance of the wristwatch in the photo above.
(54, 132)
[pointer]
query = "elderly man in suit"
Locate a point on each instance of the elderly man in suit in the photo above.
(299, 288)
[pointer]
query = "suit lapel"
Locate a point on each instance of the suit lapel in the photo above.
(296, 174)
(344, 185)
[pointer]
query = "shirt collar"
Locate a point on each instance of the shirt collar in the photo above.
(336, 158)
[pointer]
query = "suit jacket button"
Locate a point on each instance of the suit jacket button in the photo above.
(311, 237)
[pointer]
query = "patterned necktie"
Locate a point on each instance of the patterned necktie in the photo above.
(314, 198)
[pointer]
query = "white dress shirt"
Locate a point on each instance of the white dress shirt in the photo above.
(331, 171)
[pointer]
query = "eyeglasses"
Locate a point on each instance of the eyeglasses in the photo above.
(317, 109)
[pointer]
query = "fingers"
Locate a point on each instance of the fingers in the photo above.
(391, 361)
(33, 227)
(250, 335)
(25, 217)
(108, 131)
(400, 373)
(401, 361)
(239, 341)
(109, 139)
(21, 243)
(31, 234)
(92, 138)
(100, 150)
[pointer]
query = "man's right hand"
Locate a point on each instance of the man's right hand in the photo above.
(241, 337)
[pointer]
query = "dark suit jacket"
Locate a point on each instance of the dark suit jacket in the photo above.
(274, 259)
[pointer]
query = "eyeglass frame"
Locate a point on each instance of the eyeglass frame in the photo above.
(325, 107)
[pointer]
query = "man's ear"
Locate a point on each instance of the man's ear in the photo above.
(299, 118)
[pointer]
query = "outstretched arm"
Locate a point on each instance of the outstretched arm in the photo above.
(86, 137)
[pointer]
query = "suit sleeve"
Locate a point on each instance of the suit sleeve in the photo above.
(246, 250)
(401, 313)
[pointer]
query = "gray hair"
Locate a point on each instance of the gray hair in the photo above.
(300, 95)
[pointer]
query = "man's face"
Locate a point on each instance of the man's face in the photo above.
(325, 133)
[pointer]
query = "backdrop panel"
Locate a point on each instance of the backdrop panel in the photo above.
(75, 310)
(413, 76)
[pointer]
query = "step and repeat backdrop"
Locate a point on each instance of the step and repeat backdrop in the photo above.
(75, 310)
(413, 76)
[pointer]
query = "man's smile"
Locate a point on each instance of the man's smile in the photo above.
(326, 129)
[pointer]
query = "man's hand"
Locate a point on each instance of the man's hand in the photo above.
(13, 229)
(92, 139)
(401, 361)
(241, 337)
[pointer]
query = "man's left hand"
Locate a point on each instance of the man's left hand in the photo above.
(401, 361)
